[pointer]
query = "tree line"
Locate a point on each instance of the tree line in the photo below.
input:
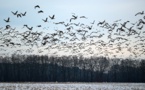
(35, 68)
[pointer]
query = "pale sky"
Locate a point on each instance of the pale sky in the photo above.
(98, 10)
(93, 9)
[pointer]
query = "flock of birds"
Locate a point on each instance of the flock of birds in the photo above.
(117, 39)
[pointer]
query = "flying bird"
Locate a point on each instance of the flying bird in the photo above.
(14, 13)
(117, 20)
(83, 17)
(7, 20)
(100, 23)
(45, 20)
(140, 28)
(7, 27)
(30, 28)
(73, 18)
(23, 14)
(40, 11)
(93, 22)
(52, 17)
(124, 24)
(139, 13)
(38, 25)
(59, 23)
(19, 15)
(37, 6)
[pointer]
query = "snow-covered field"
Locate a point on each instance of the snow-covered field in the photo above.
(72, 86)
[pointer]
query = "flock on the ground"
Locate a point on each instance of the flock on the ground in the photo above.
(76, 38)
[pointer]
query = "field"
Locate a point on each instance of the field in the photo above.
(72, 86)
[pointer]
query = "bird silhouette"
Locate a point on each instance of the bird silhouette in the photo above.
(45, 20)
(140, 28)
(7, 20)
(100, 23)
(83, 17)
(139, 13)
(59, 23)
(23, 14)
(66, 25)
(120, 29)
(130, 30)
(38, 25)
(93, 22)
(89, 27)
(19, 15)
(124, 24)
(117, 20)
(7, 27)
(52, 17)
(30, 28)
(37, 6)
(140, 22)
(40, 11)
(73, 18)
(14, 13)
(77, 24)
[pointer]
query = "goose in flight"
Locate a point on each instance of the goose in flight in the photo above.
(45, 20)
(14, 13)
(40, 11)
(141, 13)
(38, 25)
(30, 28)
(7, 27)
(120, 29)
(130, 30)
(37, 6)
(7, 20)
(140, 28)
(140, 21)
(59, 23)
(100, 23)
(73, 18)
(83, 17)
(52, 17)
(89, 27)
(124, 24)
(19, 15)
(117, 20)
(23, 14)
(93, 22)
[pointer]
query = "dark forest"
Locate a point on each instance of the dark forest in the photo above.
(34, 68)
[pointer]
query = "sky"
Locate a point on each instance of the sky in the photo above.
(94, 9)
(98, 10)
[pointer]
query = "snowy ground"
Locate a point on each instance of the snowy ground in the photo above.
(72, 86)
